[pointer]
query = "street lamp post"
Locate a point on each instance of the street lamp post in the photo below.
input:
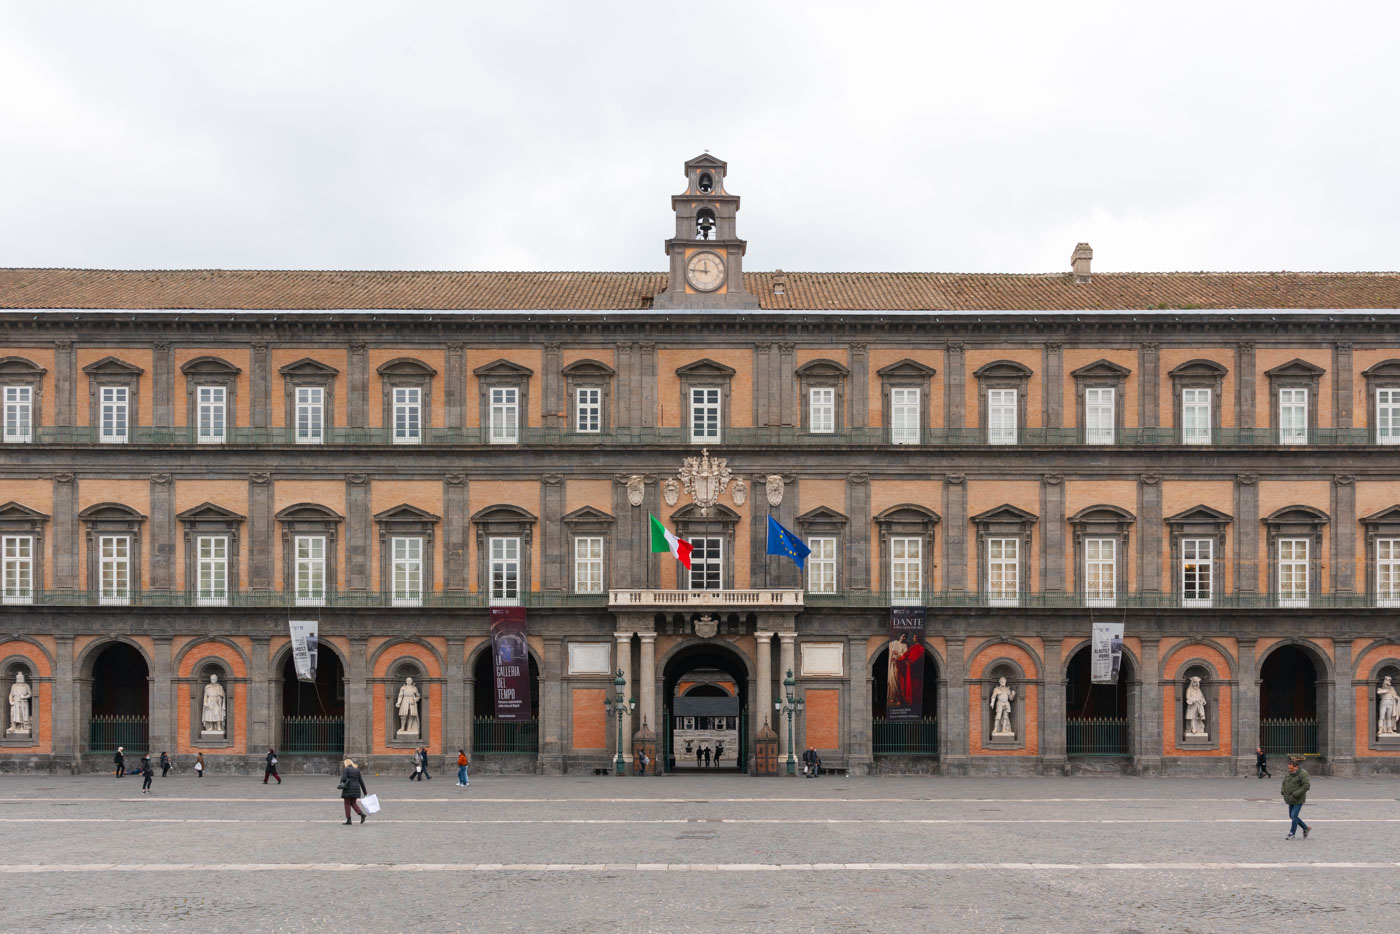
(794, 705)
(621, 706)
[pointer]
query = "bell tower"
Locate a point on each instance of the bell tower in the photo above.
(706, 268)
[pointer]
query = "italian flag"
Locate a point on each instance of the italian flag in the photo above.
(662, 539)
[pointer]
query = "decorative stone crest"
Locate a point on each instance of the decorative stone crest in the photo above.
(706, 627)
(773, 488)
(671, 490)
(705, 478)
(740, 491)
(636, 489)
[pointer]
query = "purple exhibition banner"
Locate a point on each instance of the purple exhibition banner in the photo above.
(511, 655)
(904, 697)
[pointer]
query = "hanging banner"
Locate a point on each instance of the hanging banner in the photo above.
(511, 655)
(304, 637)
(904, 696)
(1106, 653)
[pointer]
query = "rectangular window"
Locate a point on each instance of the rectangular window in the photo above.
(311, 414)
(408, 415)
(706, 564)
(1293, 571)
(904, 416)
(1004, 570)
(505, 571)
(1387, 416)
(821, 565)
(114, 569)
(114, 412)
(1197, 555)
(310, 569)
(821, 410)
(1098, 415)
(1292, 416)
(212, 414)
(906, 569)
(588, 564)
(1100, 571)
(505, 415)
(17, 580)
(704, 414)
(406, 570)
(1001, 416)
(212, 570)
(1388, 572)
(19, 414)
(1195, 416)
(588, 410)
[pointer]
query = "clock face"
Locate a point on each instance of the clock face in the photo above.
(705, 271)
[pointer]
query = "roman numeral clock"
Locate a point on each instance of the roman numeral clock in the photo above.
(706, 254)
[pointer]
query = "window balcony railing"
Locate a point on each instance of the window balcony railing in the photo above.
(730, 437)
(278, 598)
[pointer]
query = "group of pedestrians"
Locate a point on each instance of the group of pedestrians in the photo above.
(704, 755)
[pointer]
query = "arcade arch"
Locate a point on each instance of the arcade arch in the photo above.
(1099, 718)
(705, 691)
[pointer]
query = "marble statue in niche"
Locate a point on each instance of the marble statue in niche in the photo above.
(1386, 716)
(1195, 708)
(407, 705)
(20, 693)
(1002, 698)
(212, 716)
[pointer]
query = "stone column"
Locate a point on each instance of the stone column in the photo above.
(1150, 533)
(624, 662)
(262, 520)
(764, 379)
(357, 699)
(787, 658)
(1052, 708)
(162, 532)
(859, 362)
(763, 693)
(953, 715)
(260, 387)
(162, 709)
(64, 697)
(1343, 535)
(1342, 390)
(1244, 387)
(552, 707)
(1246, 703)
(552, 388)
(259, 729)
(65, 532)
(787, 386)
(646, 701)
(1341, 716)
(1148, 727)
(1052, 534)
(358, 534)
(650, 388)
(955, 532)
(456, 729)
(65, 384)
(163, 386)
(1246, 534)
(955, 388)
(357, 395)
(1053, 401)
(454, 387)
(454, 532)
(1149, 391)
(858, 532)
(553, 538)
(858, 755)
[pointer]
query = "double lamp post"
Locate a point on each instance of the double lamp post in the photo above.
(622, 706)
(793, 705)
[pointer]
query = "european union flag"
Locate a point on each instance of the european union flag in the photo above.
(783, 542)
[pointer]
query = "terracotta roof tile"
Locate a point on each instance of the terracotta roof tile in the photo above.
(632, 291)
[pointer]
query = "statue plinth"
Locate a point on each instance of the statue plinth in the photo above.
(211, 732)
(25, 731)
(1196, 737)
(408, 734)
(1003, 737)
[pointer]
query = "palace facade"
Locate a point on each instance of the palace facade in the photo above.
(192, 459)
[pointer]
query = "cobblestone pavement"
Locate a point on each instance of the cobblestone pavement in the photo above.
(697, 853)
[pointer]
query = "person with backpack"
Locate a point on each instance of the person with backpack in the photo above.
(147, 773)
(271, 770)
(164, 764)
(120, 760)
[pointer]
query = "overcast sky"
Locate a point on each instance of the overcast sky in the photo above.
(934, 136)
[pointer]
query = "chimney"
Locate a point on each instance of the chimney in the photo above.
(1083, 253)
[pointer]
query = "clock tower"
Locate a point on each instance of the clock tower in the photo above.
(706, 254)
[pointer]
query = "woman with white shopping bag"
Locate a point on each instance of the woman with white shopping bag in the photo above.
(352, 785)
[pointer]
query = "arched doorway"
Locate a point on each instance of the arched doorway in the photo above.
(120, 699)
(706, 691)
(1289, 701)
(313, 712)
(493, 737)
(1098, 717)
(891, 688)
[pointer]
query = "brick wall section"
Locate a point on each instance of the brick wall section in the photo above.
(823, 719)
(590, 723)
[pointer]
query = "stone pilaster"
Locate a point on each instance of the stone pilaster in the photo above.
(858, 532)
(758, 533)
(260, 387)
(858, 750)
(456, 728)
(357, 397)
(1052, 537)
(65, 695)
(1148, 724)
(1343, 535)
(163, 385)
(1246, 533)
(454, 390)
(648, 402)
(1246, 708)
(357, 699)
(1341, 723)
(162, 532)
(762, 391)
(955, 532)
(786, 416)
(1244, 385)
(553, 559)
(1053, 392)
(953, 715)
(1150, 534)
(955, 388)
(65, 384)
(454, 532)
(1342, 387)
(551, 761)
(1149, 389)
(858, 361)
(1052, 709)
(358, 534)
(162, 706)
(65, 532)
(259, 733)
(552, 387)
(627, 391)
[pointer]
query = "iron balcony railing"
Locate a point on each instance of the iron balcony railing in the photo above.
(1097, 737)
(1289, 737)
(911, 738)
(145, 435)
(106, 733)
(688, 599)
(313, 736)
(492, 737)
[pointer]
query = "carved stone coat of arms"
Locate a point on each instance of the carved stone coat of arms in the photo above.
(705, 478)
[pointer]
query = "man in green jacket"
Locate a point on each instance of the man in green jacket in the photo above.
(1295, 793)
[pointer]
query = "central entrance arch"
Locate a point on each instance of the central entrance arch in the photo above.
(706, 696)
(120, 701)
(312, 712)
(1098, 717)
(1291, 697)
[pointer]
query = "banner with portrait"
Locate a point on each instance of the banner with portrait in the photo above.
(904, 698)
(510, 654)
(1106, 653)
(304, 639)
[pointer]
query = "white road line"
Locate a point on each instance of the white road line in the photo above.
(703, 820)
(1165, 802)
(41, 868)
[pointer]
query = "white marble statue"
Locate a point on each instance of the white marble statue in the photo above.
(407, 704)
(1386, 717)
(1002, 696)
(212, 718)
(1195, 708)
(20, 692)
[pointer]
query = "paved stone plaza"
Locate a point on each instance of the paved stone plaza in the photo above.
(697, 853)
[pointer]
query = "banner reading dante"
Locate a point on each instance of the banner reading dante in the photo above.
(904, 698)
(511, 655)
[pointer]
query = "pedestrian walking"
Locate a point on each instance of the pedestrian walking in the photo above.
(1261, 763)
(147, 773)
(1295, 795)
(352, 785)
(707, 757)
(164, 764)
(199, 765)
(271, 770)
(462, 780)
(120, 760)
(423, 761)
(699, 755)
(719, 753)
(642, 762)
(810, 763)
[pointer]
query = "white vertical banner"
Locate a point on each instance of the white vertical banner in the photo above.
(1106, 653)
(304, 637)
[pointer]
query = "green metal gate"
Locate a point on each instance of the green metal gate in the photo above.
(106, 733)
(914, 738)
(1097, 737)
(492, 737)
(312, 736)
(1289, 737)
